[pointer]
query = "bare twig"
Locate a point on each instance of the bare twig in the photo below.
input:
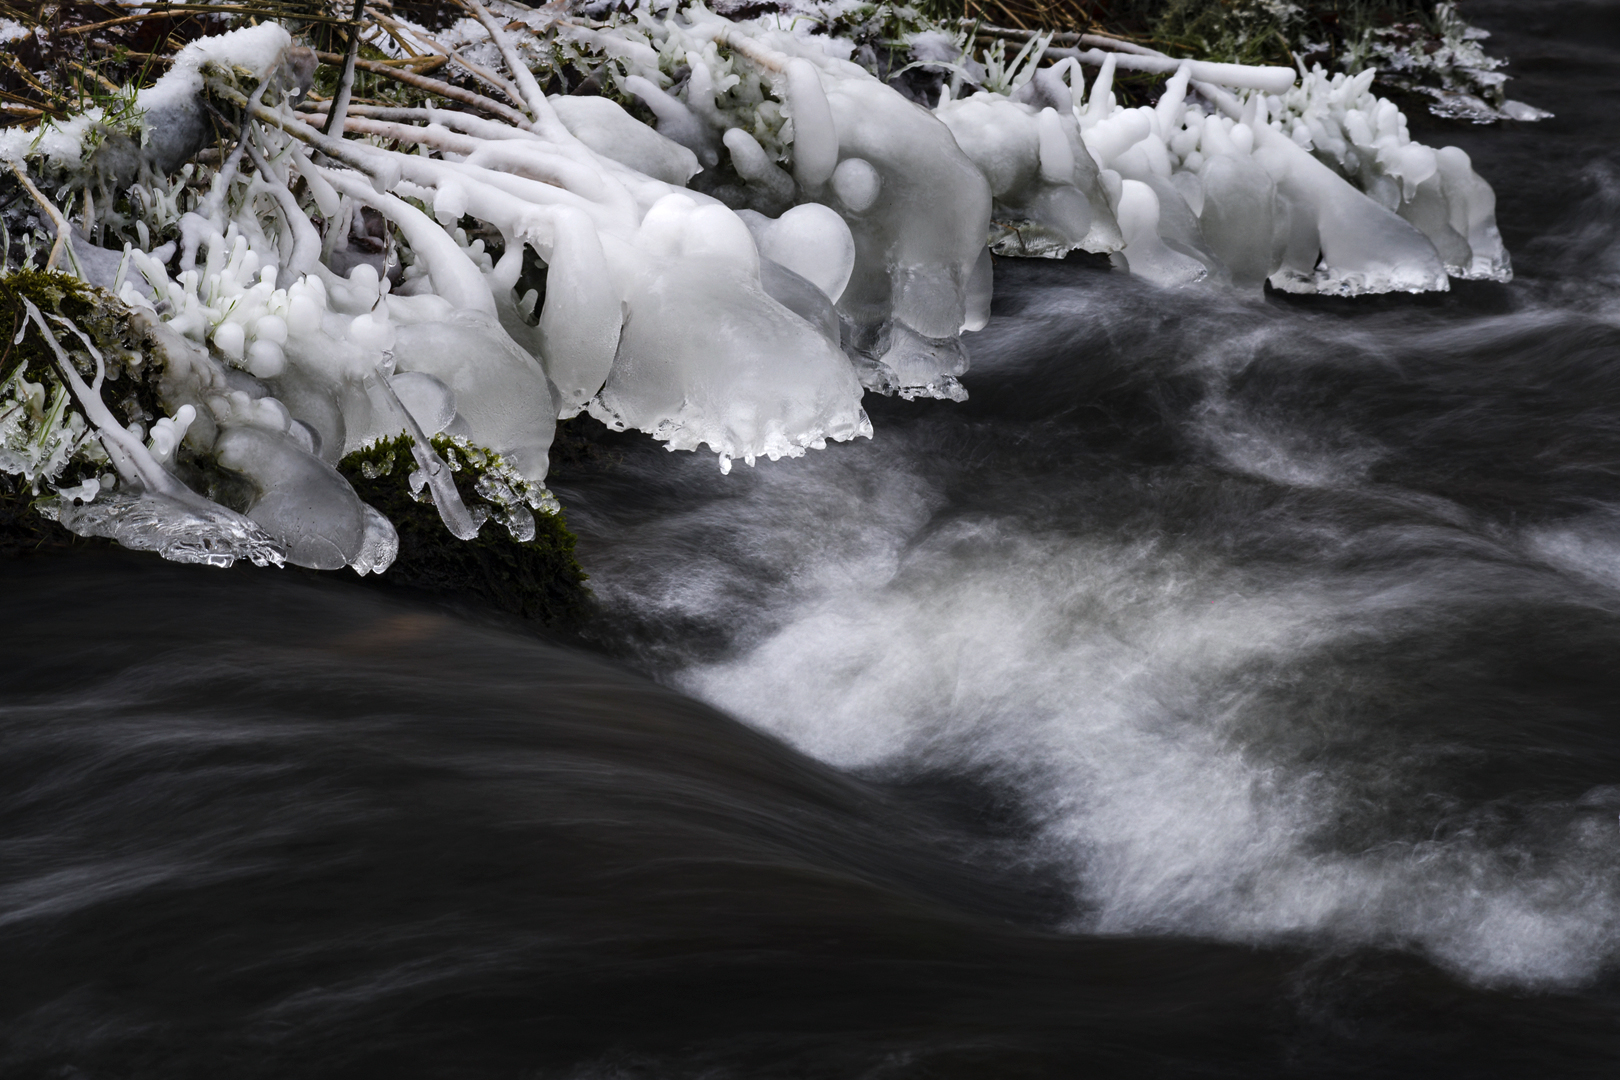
(435, 86)
(202, 9)
(60, 222)
(107, 83)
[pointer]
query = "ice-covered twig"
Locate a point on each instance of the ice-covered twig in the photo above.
(1272, 80)
(306, 250)
(215, 202)
(132, 459)
(345, 86)
(340, 150)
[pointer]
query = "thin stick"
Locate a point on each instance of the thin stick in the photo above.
(98, 76)
(200, 9)
(489, 78)
(435, 86)
(55, 215)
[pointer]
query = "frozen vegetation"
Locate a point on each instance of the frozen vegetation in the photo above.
(718, 232)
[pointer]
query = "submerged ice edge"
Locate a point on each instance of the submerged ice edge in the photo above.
(794, 233)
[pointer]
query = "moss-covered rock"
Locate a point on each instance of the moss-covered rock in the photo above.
(539, 579)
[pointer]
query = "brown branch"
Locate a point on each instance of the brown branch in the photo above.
(435, 86)
(52, 212)
(203, 9)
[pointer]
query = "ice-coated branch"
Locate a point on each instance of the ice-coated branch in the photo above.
(133, 460)
(345, 86)
(306, 251)
(745, 309)
(1272, 80)
(374, 165)
(477, 71)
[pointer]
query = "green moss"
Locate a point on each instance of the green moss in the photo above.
(44, 436)
(101, 315)
(538, 580)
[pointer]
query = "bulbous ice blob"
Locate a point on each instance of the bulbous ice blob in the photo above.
(917, 244)
(501, 392)
(303, 503)
(663, 227)
(707, 357)
(271, 328)
(717, 231)
(814, 242)
(1239, 218)
(265, 359)
(603, 125)
(230, 339)
(1048, 200)
(1145, 253)
(372, 331)
(856, 184)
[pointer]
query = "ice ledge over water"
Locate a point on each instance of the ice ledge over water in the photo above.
(767, 232)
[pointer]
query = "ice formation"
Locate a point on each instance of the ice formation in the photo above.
(788, 231)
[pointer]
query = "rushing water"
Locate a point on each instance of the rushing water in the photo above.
(1228, 687)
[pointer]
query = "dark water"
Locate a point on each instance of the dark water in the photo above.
(1228, 688)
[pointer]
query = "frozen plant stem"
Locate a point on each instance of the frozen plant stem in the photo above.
(133, 461)
(446, 499)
